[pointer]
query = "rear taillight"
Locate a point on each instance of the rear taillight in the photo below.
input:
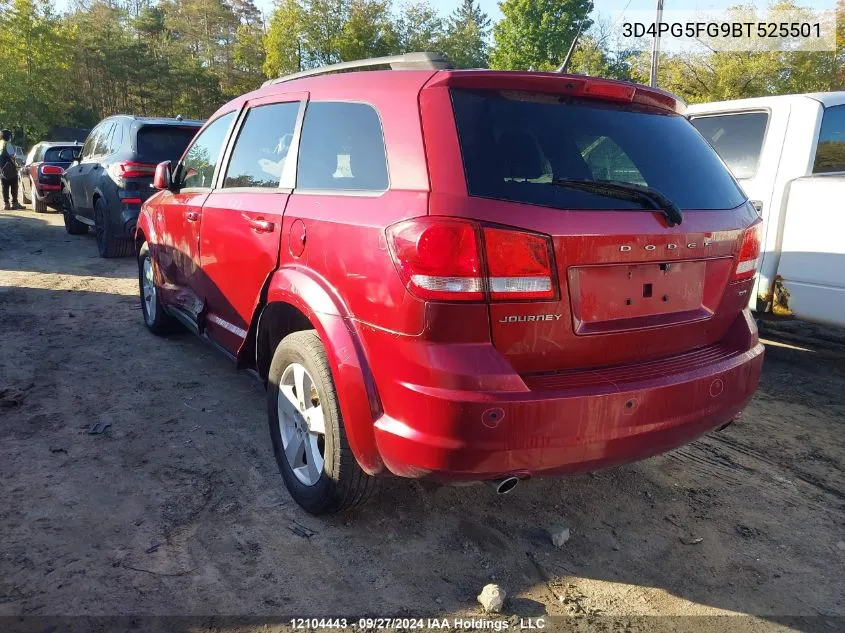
(131, 169)
(52, 170)
(437, 259)
(749, 252)
(446, 259)
(518, 265)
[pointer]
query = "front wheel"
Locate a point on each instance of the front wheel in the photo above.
(155, 318)
(306, 428)
(72, 225)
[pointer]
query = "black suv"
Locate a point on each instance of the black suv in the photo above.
(107, 185)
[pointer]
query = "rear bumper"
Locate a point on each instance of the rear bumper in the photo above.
(126, 217)
(578, 422)
(51, 194)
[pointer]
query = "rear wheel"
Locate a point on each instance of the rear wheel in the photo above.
(306, 427)
(155, 318)
(39, 205)
(72, 225)
(107, 243)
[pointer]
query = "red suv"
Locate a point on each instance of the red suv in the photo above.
(459, 275)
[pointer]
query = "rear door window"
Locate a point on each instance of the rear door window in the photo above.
(261, 149)
(102, 146)
(519, 146)
(116, 139)
(200, 161)
(91, 142)
(158, 143)
(737, 138)
(342, 148)
(830, 152)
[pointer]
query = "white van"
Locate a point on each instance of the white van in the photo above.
(788, 153)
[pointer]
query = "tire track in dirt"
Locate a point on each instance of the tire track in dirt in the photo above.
(187, 465)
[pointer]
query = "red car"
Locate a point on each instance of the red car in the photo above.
(41, 174)
(459, 275)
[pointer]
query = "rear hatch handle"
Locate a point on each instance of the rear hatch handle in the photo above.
(627, 191)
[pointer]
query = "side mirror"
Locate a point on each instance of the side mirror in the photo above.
(163, 178)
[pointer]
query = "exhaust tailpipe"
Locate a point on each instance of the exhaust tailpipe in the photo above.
(504, 486)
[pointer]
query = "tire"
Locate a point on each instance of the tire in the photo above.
(155, 318)
(340, 483)
(39, 205)
(72, 225)
(107, 244)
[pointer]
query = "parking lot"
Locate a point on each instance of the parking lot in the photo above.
(177, 508)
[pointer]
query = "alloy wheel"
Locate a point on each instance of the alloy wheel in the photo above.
(301, 424)
(149, 289)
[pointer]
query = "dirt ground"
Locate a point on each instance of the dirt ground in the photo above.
(178, 509)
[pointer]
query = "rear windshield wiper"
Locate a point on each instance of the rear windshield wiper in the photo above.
(627, 191)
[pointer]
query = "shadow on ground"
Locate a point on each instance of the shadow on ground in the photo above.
(177, 508)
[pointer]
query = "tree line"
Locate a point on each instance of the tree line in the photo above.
(169, 57)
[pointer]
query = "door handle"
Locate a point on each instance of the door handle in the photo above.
(260, 225)
(192, 216)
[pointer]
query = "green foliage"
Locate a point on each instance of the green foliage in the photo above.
(168, 57)
(284, 39)
(367, 31)
(536, 34)
(465, 39)
(309, 33)
(34, 46)
(717, 76)
(175, 57)
(419, 28)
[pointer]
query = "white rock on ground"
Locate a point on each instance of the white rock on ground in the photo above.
(492, 598)
(559, 536)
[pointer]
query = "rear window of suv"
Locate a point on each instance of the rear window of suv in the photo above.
(53, 154)
(738, 138)
(516, 144)
(157, 143)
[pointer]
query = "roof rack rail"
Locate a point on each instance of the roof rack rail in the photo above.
(408, 61)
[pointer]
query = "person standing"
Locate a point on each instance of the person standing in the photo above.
(8, 171)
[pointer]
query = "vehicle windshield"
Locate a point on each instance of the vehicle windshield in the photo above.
(516, 145)
(157, 143)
